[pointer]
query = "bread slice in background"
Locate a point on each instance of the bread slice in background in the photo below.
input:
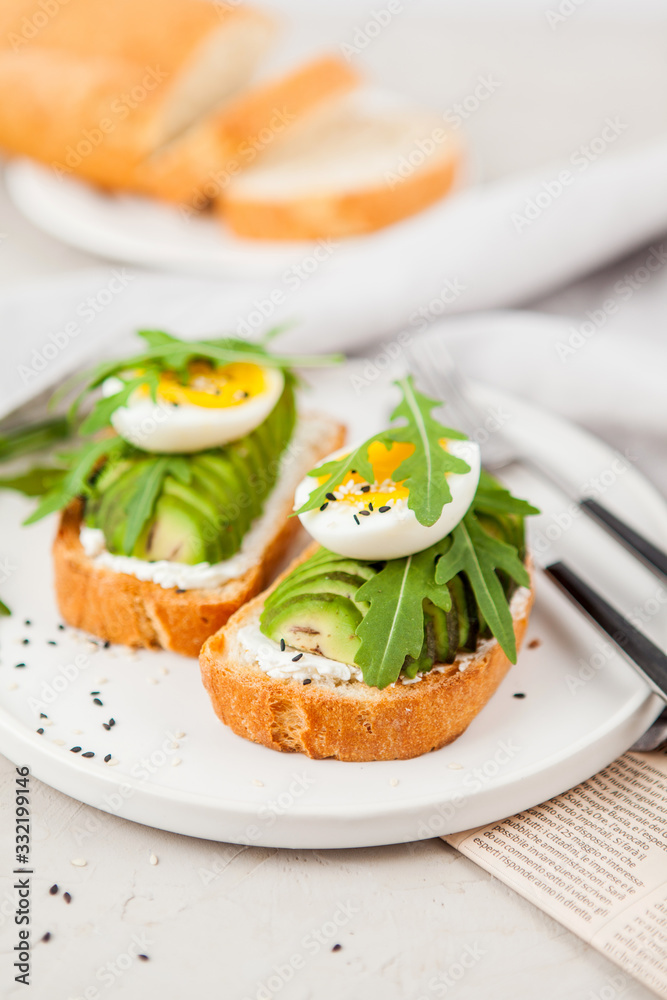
(197, 166)
(359, 166)
(95, 97)
(204, 49)
(132, 612)
(349, 721)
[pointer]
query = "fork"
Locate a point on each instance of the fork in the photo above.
(437, 374)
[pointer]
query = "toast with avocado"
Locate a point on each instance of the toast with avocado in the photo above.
(175, 510)
(392, 631)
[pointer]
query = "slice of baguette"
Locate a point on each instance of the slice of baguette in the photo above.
(98, 115)
(198, 165)
(349, 721)
(205, 50)
(132, 612)
(356, 168)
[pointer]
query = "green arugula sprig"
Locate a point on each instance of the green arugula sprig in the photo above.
(424, 471)
(393, 627)
(167, 353)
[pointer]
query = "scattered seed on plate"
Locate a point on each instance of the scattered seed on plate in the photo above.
(152, 680)
(77, 732)
(519, 694)
(25, 642)
(176, 761)
(112, 722)
(18, 665)
(60, 743)
(12, 687)
(92, 693)
(40, 731)
(455, 767)
(48, 722)
(106, 644)
(88, 753)
(144, 958)
(43, 716)
(256, 781)
(174, 746)
(54, 889)
(152, 859)
(75, 749)
(337, 947)
(51, 642)
(61, 627)
(164, 671)
(105, 725)
(47, 936)
(101, 680)
(78, 863)
(97, 701)
(534, 643)
(107, 758)
(27, 622)
(179, 736)
(66, 895)
(113, 762)
(393, 782)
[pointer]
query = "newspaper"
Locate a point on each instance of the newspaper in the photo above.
(595, 859)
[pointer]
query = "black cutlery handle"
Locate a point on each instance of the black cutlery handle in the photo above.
(649, 660)
(633, 540)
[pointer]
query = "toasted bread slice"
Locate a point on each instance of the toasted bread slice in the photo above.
(349, 720)
(198, 165)
(355, 168)
(123, 609)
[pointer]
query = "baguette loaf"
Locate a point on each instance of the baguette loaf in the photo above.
(349, 721)
(353, 169)
(123, 609)
(197, 166)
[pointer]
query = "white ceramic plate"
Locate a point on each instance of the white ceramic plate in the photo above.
(583, 704)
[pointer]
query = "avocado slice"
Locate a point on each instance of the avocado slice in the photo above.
(442, 631)
(175, 534)
(342, 584)
(316, 623)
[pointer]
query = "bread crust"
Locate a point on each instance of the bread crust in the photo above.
(340, 214)
(349, 722)
(122, 609)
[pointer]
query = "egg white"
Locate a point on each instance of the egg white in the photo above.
(161, 427)
(396, 532)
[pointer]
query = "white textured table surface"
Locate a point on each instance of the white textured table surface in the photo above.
(416, 920)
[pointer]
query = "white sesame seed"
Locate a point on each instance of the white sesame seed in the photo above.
(101, 680)
(174, 746)
(256, 781)
(79, 862)
(393, 782)
(179, 736)
(77, 732)
(152, 680)
(59, 743)
(12, 687)
(163, 670)
(113, 762)
(176, 761)
(455, 767)
(47, 722)
(152, 859)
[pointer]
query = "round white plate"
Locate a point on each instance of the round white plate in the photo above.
(583, 704)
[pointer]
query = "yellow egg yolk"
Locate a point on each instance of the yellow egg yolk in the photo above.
(384, 462)
(214, 387)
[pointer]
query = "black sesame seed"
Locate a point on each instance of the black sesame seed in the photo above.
(61, 627)
(26, 642)
(47, 936)
(107, 758)
(43, 716)
(51, 642)
(308, 681)
(383, 510)
(75, 749)
(97, 701)
(94, 692)
(112, 722)
(107, 643)
(54, 889)
(365, 489)
(40, 731)
(357, 519)
(370, 506)
(67, 897)
(324, 505)
(88, 753)
(27, 622)
(282, 645)
(330, 496)
(353, 471)
(105, 725)
(19, 665)
(337, 947)
(297, 657)
(365, 513)
(519, 694)
(180, 590)
(144, 958)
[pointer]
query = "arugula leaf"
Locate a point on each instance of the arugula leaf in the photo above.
(477, 554)
(4, 610)
(74, 483)
(35, 482)
(141, 501)
(33, 437)
(424, 471)
(393, 627)
(100, 415)
(492, 498)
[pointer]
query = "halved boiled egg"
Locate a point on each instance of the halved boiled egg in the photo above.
(365, 520)
(217, 404)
